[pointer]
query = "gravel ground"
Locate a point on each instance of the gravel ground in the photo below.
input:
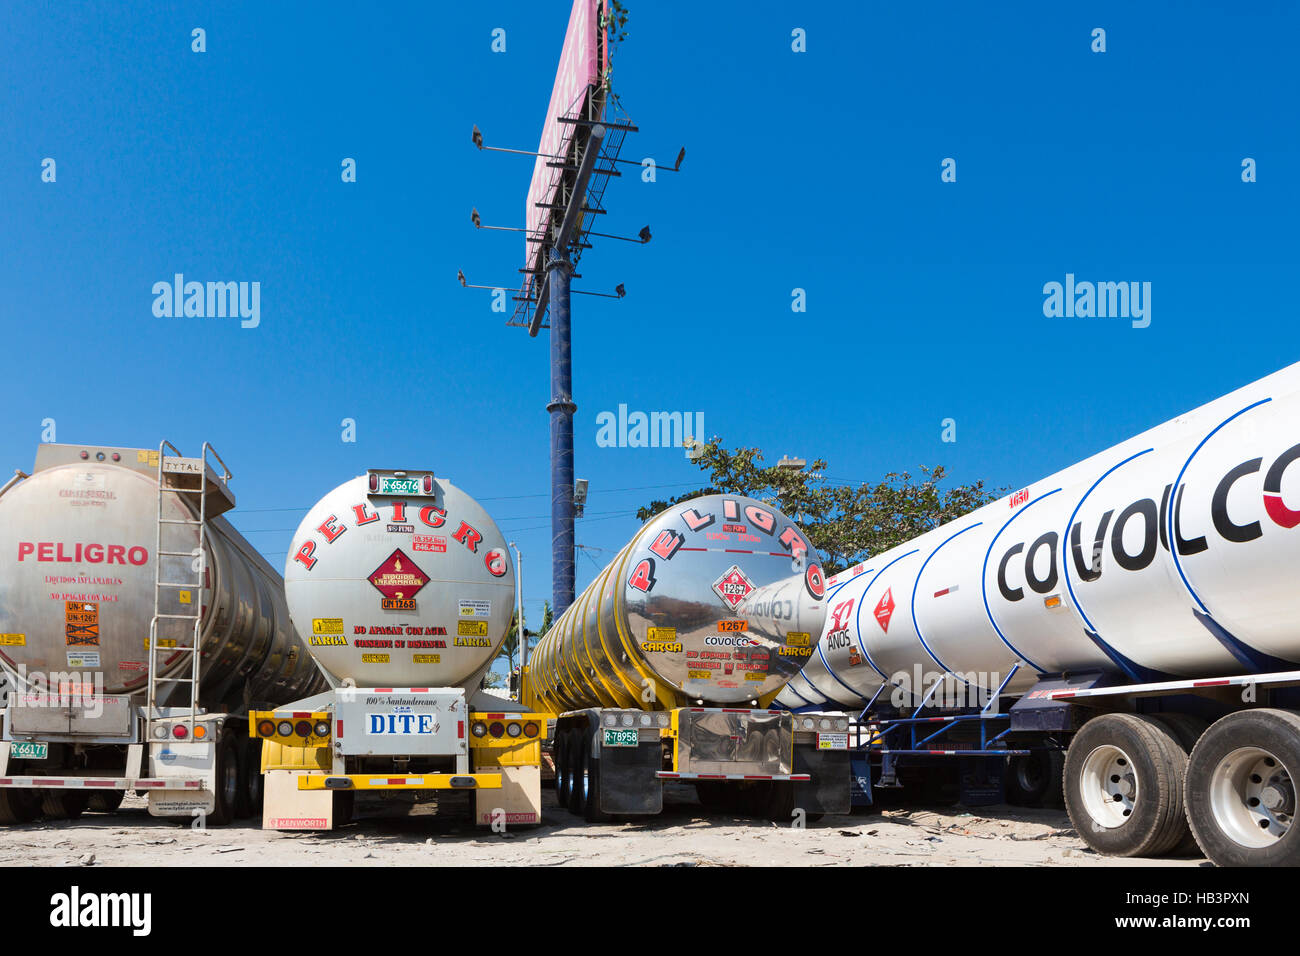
(682, 836)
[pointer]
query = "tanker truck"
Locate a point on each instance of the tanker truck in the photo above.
(1126, 630)
(137, 627)
(402, 588)
(665, 666)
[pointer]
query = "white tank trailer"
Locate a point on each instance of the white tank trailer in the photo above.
(100, 550)
(403, 589)
(1139, 607)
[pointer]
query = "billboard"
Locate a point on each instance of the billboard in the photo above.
(580, 69)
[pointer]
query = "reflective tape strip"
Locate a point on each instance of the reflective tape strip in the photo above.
(797, 777)
(1280, 677)
(104, 783)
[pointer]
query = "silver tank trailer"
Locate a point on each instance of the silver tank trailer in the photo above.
(717, 599)
(77, 559)
(400, 579)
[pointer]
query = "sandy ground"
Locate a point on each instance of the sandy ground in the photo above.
(684, 835)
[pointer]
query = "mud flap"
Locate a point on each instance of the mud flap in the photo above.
(626, 781)
(285, 807)
(829, 789)
(517, 803)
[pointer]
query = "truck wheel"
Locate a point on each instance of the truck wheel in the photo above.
(1241, 791)
(18, 806)
(562, 780)
(63, 804)
(1124, 776)
(105, 801)
(227, 783)
(1036, 779)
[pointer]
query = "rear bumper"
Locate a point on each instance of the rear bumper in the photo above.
(409, 781)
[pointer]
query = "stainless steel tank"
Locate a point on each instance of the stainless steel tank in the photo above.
(78, 542)
(400, 579)
(715, 600)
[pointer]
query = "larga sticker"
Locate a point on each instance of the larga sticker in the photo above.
(327, 625)
(471, 628)
(83, 658)
(13, 640)
(475, 608)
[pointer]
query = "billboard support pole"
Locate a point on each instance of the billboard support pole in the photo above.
(561, 408)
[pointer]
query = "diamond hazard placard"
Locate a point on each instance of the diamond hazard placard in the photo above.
(398, 577)
(733, 587)
(885, 609)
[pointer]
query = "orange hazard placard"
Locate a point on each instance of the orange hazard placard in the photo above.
(81, 619)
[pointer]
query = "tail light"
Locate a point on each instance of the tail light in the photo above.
(322, 728)
(530, 729)
(374, 482)
(303, 728)
(479, 728)
(497, 728)
(428, 484)
(284, 728)
(266, 728)
(179, 732)
(513, 730)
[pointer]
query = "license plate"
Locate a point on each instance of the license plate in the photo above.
(26, 750)
(832, 741)
(398, 486)
(616, 737)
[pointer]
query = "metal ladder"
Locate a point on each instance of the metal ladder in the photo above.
(189, 479)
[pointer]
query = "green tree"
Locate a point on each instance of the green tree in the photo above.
(846, 523)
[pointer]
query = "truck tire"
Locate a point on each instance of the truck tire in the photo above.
(1124, 777)
(591, 811)
(1241, 789)
(18, 806)
(345, 806)
(1036, 779)
(105, 801)
(574, 770)
(63, 804)
(253, 783)
(227, 783)
(1186, 730)
(581, 769)
(562, 779)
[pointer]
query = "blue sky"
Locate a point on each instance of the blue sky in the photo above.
(817, 170)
